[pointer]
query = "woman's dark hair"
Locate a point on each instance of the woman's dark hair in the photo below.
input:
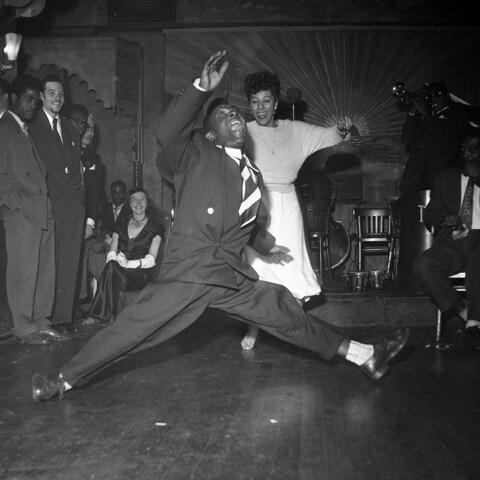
(260, 81)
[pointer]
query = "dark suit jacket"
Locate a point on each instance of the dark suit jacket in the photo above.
(61, 186)
(445, 199)
(433, 144)
(93, 181)
(22, 174)
(206, 240)
(108, 223)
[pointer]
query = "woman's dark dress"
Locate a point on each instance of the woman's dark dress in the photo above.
(115, 278)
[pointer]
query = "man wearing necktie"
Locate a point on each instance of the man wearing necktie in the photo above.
(454, 212)
(28, 220)
(203, 265)
(58, 145)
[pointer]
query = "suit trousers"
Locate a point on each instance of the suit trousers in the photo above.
(163, 310)
(447, 257)
(69, 230)
(30, 271)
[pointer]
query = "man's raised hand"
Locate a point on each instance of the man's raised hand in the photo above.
(213, 72)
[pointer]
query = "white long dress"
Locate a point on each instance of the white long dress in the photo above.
(279, 153)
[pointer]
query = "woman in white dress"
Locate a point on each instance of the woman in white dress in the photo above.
(279, 148)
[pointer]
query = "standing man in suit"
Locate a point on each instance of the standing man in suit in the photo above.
(93, 174)
(28, 219)
(92, 169)
(217, 201)
(454, 211)
(58, 145)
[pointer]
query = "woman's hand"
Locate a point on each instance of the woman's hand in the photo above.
(211, 75)
(108, 240)
(279, 254)
(344, 125)
(122, 259)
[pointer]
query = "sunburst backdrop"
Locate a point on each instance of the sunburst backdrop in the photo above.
(349, 72)
(340, 72)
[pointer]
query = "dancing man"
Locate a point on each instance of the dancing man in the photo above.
(217, 201)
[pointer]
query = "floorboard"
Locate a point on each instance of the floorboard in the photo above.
(198, 407)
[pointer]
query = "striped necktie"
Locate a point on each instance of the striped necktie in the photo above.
(250, 193)
(466, 210)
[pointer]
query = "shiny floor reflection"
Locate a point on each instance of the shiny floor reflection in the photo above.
(200, 408)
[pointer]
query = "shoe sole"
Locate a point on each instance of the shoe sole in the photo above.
(384, 369)
(38, 384)
(400, 346)
(380, 373)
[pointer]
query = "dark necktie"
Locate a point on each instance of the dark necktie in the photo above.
(250, 194)
(116, 212)
(59, 139)
(55, 131)
(466, 210)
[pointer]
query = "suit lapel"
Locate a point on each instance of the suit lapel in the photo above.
(19, 131)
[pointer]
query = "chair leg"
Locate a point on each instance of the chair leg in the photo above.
(359, 255)
(389, 262)
(320, 260)
(438, 344)
(438, 329)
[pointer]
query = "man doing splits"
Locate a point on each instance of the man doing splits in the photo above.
(216, 208)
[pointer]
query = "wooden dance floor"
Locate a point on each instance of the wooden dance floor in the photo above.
(199, 408)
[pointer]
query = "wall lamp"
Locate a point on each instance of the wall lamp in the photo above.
(12, 46)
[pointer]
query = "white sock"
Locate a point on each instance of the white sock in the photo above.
(359, 353)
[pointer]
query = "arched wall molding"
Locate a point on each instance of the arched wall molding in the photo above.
(111, 65)
(116, 132)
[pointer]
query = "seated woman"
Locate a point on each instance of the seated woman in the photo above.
(130, 261)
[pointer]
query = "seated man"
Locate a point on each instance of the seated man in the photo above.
(454, 212)
(114, 213)
(217, 201)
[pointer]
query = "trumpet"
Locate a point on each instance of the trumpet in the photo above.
(406, 97)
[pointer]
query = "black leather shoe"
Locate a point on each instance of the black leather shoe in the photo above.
(65, 328)
(53, 335)
(44, 388)
(473, 332)
(34, 339)
(377, 365)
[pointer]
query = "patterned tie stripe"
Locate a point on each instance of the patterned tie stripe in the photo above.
(466, 209)
(251, 194)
